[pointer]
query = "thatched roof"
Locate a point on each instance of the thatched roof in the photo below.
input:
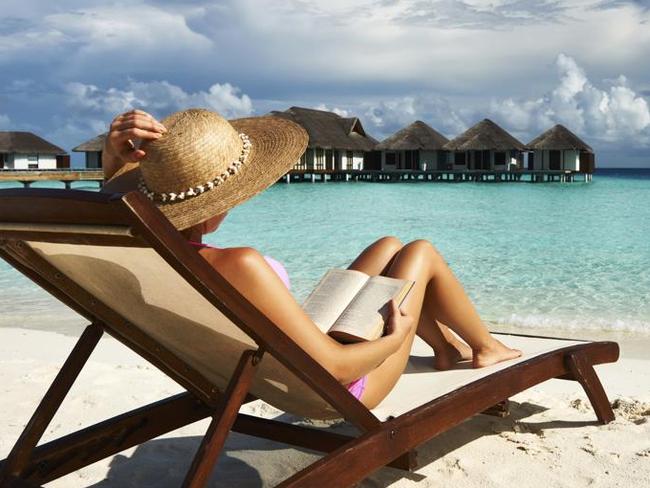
(328, 130)
(27, 143)
(486, 135)
(559, 137)
(96, 144)
(416, 136)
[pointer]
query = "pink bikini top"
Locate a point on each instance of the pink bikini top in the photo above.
(275, 265)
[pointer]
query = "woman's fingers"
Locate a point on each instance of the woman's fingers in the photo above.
(134, 113)
(137, 121)
(143, 131)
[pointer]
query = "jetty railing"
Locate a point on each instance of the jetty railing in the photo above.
(450, 175)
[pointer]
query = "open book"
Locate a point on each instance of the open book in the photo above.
(351, 306)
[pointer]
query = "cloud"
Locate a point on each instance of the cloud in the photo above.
(338, 111)
(73, 40)
(158, 97)
(614, 114)
(476, 14)
(5, 121)
(610, 4)
(382, 117)
(388, 62)
(388, 116)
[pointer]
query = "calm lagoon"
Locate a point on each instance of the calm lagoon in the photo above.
(569, 257)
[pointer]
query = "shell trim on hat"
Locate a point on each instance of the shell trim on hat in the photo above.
(231, 170)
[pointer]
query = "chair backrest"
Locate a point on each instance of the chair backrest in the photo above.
(140, 286)
(165, 290)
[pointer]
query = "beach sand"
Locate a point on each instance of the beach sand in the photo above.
(550, 439)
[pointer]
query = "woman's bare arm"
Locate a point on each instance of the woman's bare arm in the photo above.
(247, 271)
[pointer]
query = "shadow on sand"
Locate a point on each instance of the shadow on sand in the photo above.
(254, 462)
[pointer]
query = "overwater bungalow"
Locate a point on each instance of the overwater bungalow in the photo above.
(93, 149)
(417, 147)
(560, 149)
(25, 151)
(335, 142)
(485, 146)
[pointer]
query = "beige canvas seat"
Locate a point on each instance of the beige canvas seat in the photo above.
(117, 261)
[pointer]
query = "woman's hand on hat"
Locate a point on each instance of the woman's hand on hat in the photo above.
(130, 126)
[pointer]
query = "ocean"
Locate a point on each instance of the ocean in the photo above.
(567, 257)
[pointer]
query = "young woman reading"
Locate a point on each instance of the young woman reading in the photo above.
(197, 166)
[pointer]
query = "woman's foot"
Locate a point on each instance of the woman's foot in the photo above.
(454, 352)
(493, 354)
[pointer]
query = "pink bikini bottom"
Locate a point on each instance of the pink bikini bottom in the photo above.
(357, 387)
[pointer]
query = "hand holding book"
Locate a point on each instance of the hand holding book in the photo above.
(399, 322)
(351, 306)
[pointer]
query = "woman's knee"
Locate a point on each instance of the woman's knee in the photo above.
(390, 243)
(425, 247)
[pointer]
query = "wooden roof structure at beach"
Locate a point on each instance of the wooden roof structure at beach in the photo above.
(329, 130)
(486, 135)
(417, 136)
(27, 143)
(96, 144)
(559, 137)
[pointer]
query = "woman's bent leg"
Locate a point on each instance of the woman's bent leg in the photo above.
(447, 347)
(447, 301)
(434, 283)
(376, 260)
(377, 257)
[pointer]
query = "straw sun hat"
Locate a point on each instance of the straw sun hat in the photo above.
(204, 165)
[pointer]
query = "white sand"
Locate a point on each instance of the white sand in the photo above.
(550, 439)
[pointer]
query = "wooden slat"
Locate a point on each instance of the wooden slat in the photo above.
(75, 229)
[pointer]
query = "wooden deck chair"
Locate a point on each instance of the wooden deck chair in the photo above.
(117, 261)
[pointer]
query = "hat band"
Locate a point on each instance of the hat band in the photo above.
(231, 170)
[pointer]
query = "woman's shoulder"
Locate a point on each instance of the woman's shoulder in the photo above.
(241, 256)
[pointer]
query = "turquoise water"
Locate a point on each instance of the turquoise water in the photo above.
(562, 256)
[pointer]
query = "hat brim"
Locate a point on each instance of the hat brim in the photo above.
(276, 146)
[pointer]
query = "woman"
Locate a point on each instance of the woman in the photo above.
(197, 166)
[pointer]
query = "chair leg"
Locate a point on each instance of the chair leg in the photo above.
(584, 373)
(19, 456)
(223, 420)
(501, 409)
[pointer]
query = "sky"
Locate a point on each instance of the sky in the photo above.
(68, 67)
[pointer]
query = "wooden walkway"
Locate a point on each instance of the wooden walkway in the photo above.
(450, 176)
(65, 176)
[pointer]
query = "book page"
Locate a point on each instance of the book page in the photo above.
(365, 316)
(332, 295)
